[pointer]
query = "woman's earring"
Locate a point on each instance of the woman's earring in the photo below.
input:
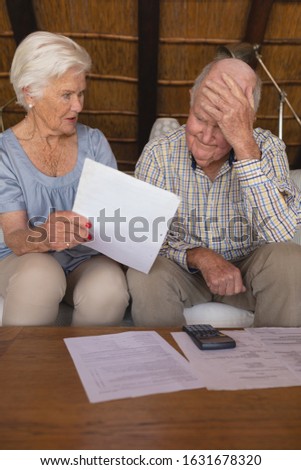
(30, 105)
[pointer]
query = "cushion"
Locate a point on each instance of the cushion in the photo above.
(219, 315)
(162, 126)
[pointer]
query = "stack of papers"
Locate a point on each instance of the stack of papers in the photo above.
(263, 358)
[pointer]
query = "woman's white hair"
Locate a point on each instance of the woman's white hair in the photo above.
(42, 56)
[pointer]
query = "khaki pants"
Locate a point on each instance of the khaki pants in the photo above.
(34, 284)
(272, 275)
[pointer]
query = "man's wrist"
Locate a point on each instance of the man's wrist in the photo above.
(198, 256)
(192, 258)
(247, 152)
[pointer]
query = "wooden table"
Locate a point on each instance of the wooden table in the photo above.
(43, 406)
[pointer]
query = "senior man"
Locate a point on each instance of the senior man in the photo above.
(230, 239)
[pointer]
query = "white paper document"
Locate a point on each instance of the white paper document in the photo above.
(130, 218)
(285, 344)
(129, 364)
(256, 362)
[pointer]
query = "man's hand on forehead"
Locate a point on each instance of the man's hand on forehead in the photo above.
(237, 90)
(223, 96)
(230, 106)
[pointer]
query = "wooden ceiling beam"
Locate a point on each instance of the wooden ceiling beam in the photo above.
(257, 21)
(22, 18)
(148, 47)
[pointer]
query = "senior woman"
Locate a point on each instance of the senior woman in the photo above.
(43, 257)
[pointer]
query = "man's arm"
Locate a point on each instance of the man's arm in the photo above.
(262, 169)
(274, 202)
(221, 276)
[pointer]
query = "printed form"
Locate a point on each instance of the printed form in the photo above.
(284, 342)
(263, 358)
(129, 364)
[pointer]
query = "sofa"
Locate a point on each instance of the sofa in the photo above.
(217, 314)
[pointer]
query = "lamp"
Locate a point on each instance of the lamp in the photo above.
(250, 54)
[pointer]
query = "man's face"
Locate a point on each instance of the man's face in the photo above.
(204, 138)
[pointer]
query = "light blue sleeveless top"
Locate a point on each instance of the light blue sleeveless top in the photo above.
(24, 187)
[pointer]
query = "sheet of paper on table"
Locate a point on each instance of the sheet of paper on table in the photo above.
(130, 217)
(284, 342)
(263, 358)
(129, 364)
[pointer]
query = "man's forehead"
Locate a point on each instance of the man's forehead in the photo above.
(237, 69)
(200, 113)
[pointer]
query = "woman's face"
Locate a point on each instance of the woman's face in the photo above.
(57, 111)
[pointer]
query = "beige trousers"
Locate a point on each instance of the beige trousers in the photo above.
(272, 275)
(34, 284)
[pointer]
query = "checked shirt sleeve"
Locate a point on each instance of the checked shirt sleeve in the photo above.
(272, 202)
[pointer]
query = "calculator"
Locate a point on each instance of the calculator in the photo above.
(207, 337)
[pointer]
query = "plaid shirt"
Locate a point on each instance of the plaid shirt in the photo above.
(249, 203)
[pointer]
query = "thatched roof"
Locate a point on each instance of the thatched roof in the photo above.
(146, 54)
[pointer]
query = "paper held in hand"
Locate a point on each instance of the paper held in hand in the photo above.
(129, 217)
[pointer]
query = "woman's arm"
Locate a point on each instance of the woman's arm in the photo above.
(62, 230)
